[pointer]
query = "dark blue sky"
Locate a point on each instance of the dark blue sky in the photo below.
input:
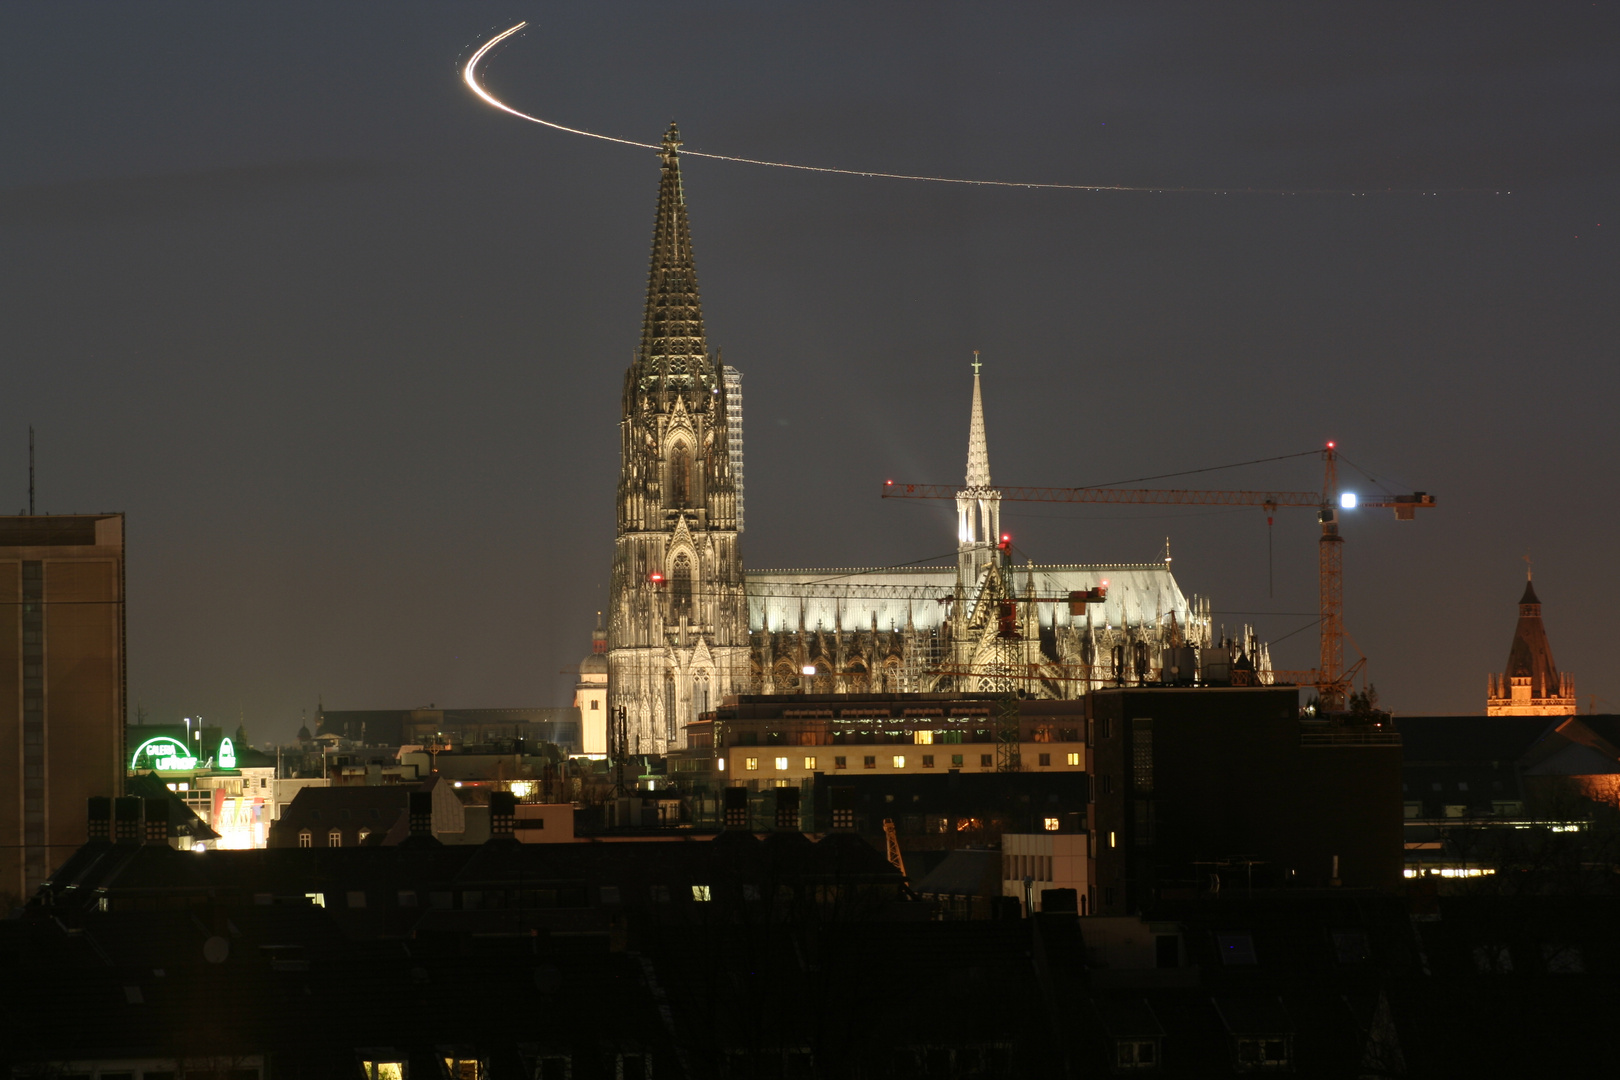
(347, 345)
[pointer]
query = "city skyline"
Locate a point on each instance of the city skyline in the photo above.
(348, 353)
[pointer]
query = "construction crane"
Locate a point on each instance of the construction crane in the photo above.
(1331, 680)
(892, 846)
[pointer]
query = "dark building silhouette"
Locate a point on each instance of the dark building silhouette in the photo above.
(61, 686)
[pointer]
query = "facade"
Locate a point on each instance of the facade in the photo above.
(61, 686)
(734, 426)
(591, 696)
(1229, 787)
(1531, 684)
(677, 621)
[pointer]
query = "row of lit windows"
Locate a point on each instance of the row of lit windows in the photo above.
(333, 838)
(899, 761)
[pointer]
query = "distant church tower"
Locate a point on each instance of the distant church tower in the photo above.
(678, 627)
(1531, 684)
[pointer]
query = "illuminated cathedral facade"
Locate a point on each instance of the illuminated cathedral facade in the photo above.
(688, 625)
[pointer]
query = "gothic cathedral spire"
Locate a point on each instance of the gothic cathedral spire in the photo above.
(978, 505)
(678, 629)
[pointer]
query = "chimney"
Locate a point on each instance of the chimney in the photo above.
(735, 815)
(127, 819)
(100, 818)
(502, 815)
(157, 821)
(422, 813)
(787, 809)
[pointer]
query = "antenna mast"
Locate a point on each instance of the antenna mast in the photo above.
(30, 470)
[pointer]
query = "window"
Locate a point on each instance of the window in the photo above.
(334, 839)
(1107, 783)
(781, 764)
(956, 761)
(1263, 1053)
(899, 761)
(660, 894)
(928, 761)
(986, 761)
(364, 832)
(1350, 946)
(924, 738)
(751, 763)
(840, 763)
(608, 894)
(318, 899)
(1046, 761)
(1142, 754)
(1113, 840)
(554, 1067)
(1236, 948)
(700, 893)
(809, 764)
(595, 704)
(463, 1068)
(1135, 1054)
(380, 1070)
(869, 762)
(304, 839)
(407, 898)
(1050, 823)
(633, 1067)
(1074, 759)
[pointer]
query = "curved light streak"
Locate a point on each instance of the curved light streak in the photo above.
(470, 75)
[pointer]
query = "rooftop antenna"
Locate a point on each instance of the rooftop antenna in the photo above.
(30, 470)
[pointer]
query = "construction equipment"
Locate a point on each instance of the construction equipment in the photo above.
(1331, 680)
(892, 846)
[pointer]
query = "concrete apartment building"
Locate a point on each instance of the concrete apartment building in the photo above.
(61, 686)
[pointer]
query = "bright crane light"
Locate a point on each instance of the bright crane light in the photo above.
(1348, 500)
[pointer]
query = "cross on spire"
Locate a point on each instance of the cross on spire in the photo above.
(976, 364)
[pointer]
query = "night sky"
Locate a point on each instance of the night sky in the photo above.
(347, 345)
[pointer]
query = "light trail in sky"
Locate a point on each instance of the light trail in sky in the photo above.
(470, 75)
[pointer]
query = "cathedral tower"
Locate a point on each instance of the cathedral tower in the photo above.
(678, 628)
(978, 505)
(1531, 684)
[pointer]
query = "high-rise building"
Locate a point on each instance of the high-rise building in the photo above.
(61, 686)
(678, 620)
(734, 432)
(1531, 684)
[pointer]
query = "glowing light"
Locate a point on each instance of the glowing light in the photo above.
(808, 669)
(1348, 500)
(1331, 445)
(227, 754)
(469, 75)
(163, 754)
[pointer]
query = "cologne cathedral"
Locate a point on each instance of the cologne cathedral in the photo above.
(689, 626)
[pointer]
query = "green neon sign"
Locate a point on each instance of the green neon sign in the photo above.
(164, 754)
(226, 757)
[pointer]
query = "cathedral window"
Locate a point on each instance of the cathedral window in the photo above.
(680, 475)
(680, 584)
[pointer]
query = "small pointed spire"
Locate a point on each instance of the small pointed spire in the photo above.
(978, 463)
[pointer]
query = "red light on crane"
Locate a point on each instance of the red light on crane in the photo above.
(1006, 542)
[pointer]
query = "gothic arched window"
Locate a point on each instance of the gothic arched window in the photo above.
(680, 475)
(680, 584)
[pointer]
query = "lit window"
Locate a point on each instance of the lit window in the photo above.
(1074, 759)
(1051, 824)
(700, 892)
(810, 764)
(899, 761)
(751, 763)
(334, 839)
(318, 899)
(781, 764)
(720, 764)
(364, 832)
(463, 1069)
(1113, 841)
(304, 839)
(925, 738)
(384, 1070)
